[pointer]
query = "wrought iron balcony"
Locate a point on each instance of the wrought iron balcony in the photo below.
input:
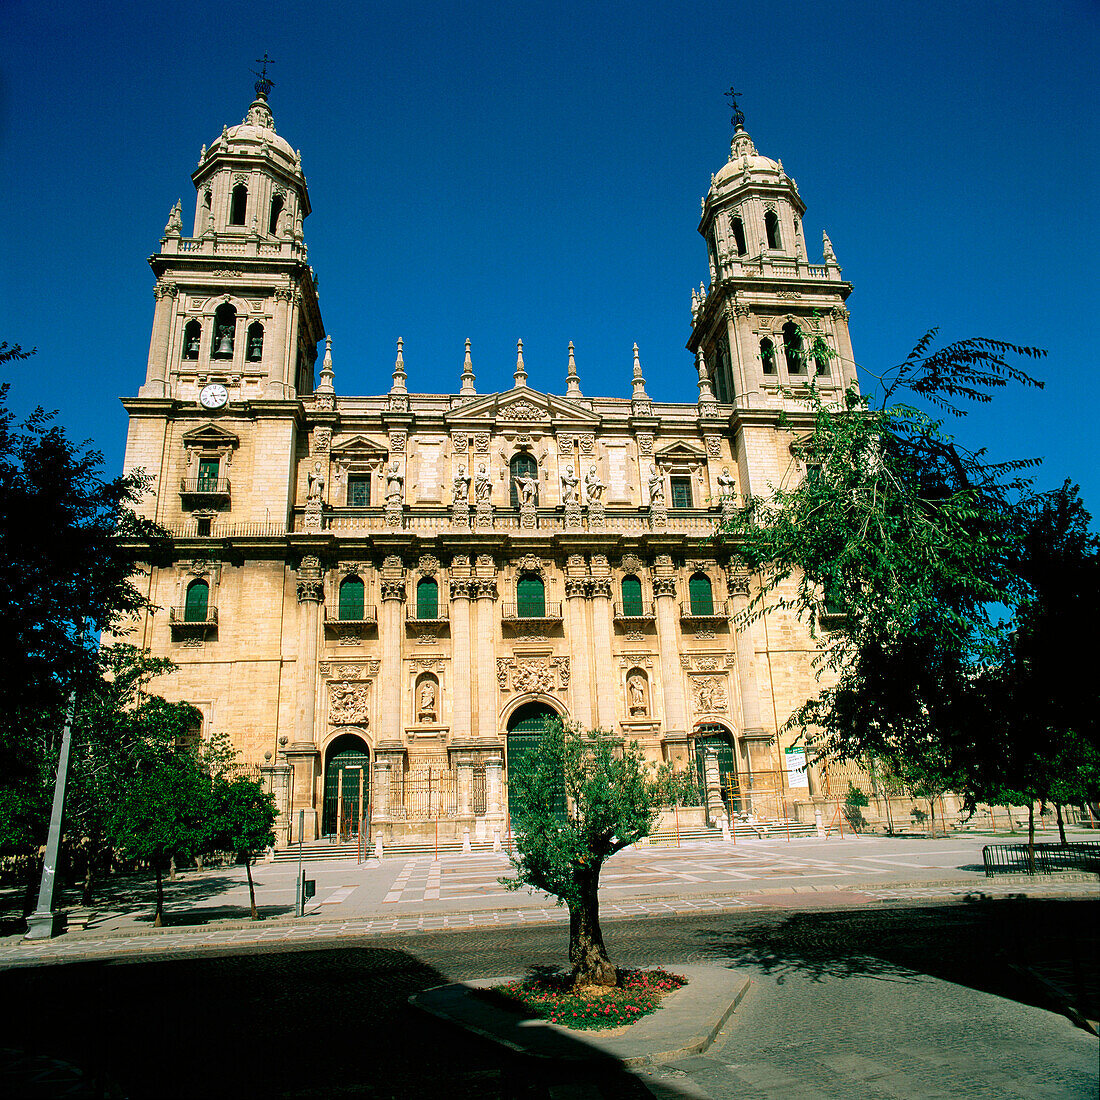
(635, 613)
(548, 613)
(367, 617)
(204, 491)
(441, 617)
(185, 623)
(714, 612)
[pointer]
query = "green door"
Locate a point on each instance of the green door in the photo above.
(632, 595)
(718, 738)
(700, 598)
(195, 605)
(531, 598)
(525, 730)
(427, 599)
(347, 775)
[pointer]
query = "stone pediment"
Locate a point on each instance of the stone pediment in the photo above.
(523, 405)
(680, 451)
(210, 435)
(358, 446)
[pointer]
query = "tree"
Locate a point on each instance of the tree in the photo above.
(902, 543)
(612, 802)
(70, 545)
(244, 823)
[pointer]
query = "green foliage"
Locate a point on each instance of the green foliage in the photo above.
(612, 802)
(675, 787)
(244, 817)
(854, 802)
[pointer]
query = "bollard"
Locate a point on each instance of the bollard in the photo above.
(496, 840)
(378, 847)
(466, 839)
(725, 829)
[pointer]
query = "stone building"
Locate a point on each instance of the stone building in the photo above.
(379, 598)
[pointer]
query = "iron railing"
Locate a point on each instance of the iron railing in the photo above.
(204, 486)
(551, 612)
(368, 617)
(178, 617)
(634, 613)
(717, 610)
(1014, 859)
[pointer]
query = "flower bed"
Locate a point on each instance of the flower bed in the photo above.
(549, 997)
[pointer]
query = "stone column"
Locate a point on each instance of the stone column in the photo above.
(392, 629)
(575, 596)
(156, 374)
(462, 718)
(757, 740)
(606, 680)
(664, 592)
(381, 797)
(302, 754)
(716, 810)
(276, 385)
(486, 663)
(494, 809)
(464, 774)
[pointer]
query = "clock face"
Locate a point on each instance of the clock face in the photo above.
(213, 396)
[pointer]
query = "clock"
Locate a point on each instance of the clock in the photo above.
(213, 396)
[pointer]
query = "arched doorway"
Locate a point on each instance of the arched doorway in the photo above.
(347, 787)
(526, 725)
(710, 735)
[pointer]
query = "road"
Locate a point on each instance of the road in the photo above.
(871, 1002)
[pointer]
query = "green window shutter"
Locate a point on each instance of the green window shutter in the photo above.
(530, 598)
(208, 472)
(632, 596)
(195, 605)
(358, 492)
(699, 595)
(351, 598)
(427, 599)
(681, 492)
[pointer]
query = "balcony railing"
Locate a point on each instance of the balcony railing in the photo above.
(204, 489)
(442, 615)
(716, 612)
(184, 623)
(369, 617)
(550, 613)
(635, 613)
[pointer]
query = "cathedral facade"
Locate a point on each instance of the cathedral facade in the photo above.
(381, 598)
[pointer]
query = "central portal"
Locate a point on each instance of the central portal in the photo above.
(347, 787)
(526, 727)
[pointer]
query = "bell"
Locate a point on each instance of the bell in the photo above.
(225, 341)
(255, 348)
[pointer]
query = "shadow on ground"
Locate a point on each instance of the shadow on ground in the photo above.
(995, 946)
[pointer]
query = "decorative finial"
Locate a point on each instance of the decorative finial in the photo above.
(467, 372)
(737, 119)
(572, 382)
(399, 369)
(175, 220)
(324, 384)
(521, 372)
(705, 393)
(264, 84)
(827, 245)
(639, 393)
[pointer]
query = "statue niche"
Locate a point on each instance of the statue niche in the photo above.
(426, 694)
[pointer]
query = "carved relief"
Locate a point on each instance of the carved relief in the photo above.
(645, 444)
(714, 446)
(709, 694)
(481, 442)
(428, 565)
(533, 675)
(310, 579)
(587, 442)
(530, 563)
(322, 437)
(631, 563)
(348, 703)
(521, 410)
(397, 441)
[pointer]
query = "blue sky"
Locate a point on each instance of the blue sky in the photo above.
(498, 171)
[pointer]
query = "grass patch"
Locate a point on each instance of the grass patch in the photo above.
(549, 997)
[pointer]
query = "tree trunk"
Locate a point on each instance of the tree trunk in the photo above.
(251, 887)
(1011, 819)
(158, 920)
(1061, 823)
(86, 892)
(932, 816)
(1031, 838)
(172, 869)
(889, 815)
(587, 953)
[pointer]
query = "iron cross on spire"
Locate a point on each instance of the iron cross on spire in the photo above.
(737, 119)
(265, 83)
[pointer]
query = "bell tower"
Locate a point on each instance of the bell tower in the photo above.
(757, 321)
(236, 301)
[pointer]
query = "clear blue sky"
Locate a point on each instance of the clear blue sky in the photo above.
(516, 170)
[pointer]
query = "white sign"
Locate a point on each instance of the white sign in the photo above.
(796, 767)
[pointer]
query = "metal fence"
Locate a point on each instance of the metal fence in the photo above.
(423, 795)
(1015, 858)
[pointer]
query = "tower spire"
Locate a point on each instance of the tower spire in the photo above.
(572, 382)
(399, 375)
(324, 384)
(467, 372)
(521, 371)
(639, 393)
(705, 393)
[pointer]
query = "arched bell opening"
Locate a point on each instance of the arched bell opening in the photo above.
(346, 809)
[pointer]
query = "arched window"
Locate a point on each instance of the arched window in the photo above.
(771, 227)
(196, 602)
(239, 205)
(632, 595)
(530, 597)
(276, 210)
(792, 349)
(523, 465)
(225, 326)
(427, 598)
(738, 227)
(821, 362)
(255, 343)
(351, 598)
(192, 336)
(700, 599)
(767, 355)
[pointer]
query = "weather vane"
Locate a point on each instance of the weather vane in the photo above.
(265, 83)
(737, 119)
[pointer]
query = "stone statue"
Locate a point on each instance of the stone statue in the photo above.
(395, 483)
(656, 485)
(727, 488)
(635, 687)
(593, 486)
(316, 480)
(527, 487)
(460, 494)
(483, 485)
(425, 709)
(570, 486)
